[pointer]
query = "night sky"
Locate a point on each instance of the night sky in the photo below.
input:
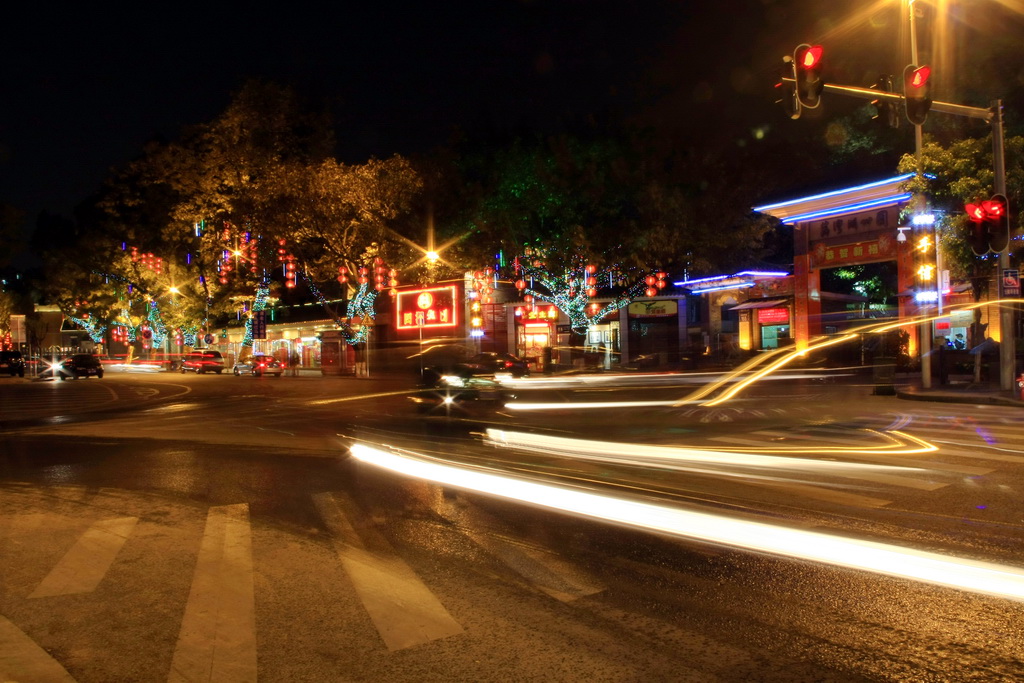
(83, 88)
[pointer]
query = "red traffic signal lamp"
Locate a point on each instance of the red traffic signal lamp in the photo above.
(917, 93)
(991, 229)
(807, 64)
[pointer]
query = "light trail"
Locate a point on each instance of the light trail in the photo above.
(747, 457)
(879, 558)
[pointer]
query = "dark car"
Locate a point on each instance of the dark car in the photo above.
(493, 363)
(203, 361)
(81, 365)
(12, 363)
(257, 366)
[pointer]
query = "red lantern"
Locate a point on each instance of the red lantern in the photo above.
(651, 291)
(289, 284)
(591, 292)
(650, 280)
(660, 284)
(591, 282)
(520, 284)
(379, 286)
(662, 275)
(528, 298)
(363, 270)
(342, 270)
(392, 273)
(591, 269)
(342, 279)
(363, 280)
(378, 261)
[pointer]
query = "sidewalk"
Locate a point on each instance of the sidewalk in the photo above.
(956, 391)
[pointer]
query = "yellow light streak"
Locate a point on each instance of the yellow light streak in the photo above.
(870, 556)
(588, 449)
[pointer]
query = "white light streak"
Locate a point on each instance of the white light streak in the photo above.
(864, 555)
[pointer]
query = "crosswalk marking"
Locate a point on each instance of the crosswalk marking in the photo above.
(217, 641)
(546, 571)
(401, 607)
(85, 564)
(22, 660)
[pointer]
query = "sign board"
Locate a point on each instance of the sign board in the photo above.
(428, 308)
(1011, 283)
(208, 338)
(653, 309)
(259, 324)
(773, 316)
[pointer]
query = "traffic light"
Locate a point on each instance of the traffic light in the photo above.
(978, 237)
(807, 63)
(916, 93)
(991, 229)
(998, 214)
(888, 113)
(787, 88)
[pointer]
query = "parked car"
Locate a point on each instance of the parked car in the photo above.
(258, 366)
(491, 363)
(12, 363)
(206, 360)
(80, 365)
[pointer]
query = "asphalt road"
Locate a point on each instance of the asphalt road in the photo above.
(170, 527)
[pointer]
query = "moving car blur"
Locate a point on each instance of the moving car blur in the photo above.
(203, 361)
(258, 366)
(491, 363)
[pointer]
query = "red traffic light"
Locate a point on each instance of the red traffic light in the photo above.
(994, 209)
(811, 57)
(919, 77)
(975, 213)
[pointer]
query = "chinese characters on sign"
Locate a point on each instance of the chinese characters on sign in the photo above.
(427, 308)
(851, 225)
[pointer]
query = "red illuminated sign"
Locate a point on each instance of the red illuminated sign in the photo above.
(427, 308)
(773, 316)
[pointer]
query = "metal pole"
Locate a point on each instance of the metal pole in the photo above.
(924, 331)
(1007, 334)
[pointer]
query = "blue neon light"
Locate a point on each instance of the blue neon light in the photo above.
(850, 208)
(868, 186)
(746, 273)
(741, 285)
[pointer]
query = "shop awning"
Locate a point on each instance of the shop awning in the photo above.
(759, 303)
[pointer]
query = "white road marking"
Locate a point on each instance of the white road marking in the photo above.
(402, 608)
(86, 563)
(217, 641)
(22, 660)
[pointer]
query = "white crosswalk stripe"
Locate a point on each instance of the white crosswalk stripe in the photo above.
(86, 563)
(23, 661)
(405, 612)
(217, 641)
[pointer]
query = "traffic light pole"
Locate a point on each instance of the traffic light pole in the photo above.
(994, 117)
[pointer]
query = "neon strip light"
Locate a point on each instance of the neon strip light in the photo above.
(835, 193)
(749, 273)
(849, 208)
(741, 285)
